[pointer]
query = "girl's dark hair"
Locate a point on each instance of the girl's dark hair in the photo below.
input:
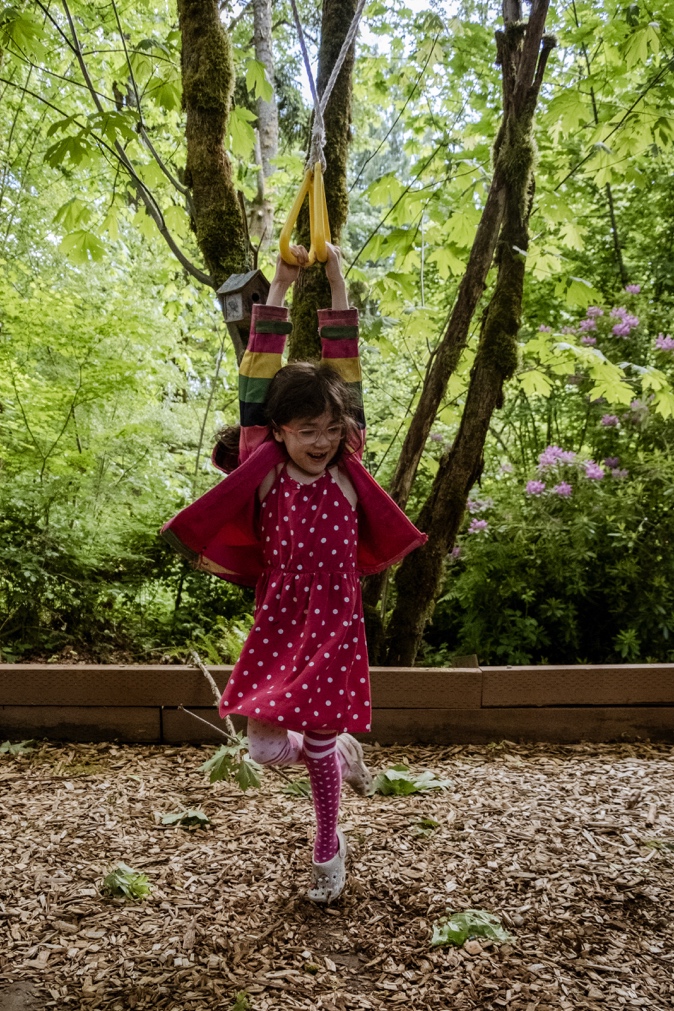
(225, 455)
(301, 390)
(307, 390)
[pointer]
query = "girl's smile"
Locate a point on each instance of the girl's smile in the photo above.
(311, 442)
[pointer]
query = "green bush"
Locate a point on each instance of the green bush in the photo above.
(584, 578)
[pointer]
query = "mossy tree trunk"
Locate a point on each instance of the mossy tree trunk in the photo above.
(417, 581)
(208, 82)
(312, 290)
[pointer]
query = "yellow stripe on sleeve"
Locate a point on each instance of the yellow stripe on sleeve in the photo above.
(348, 368)
(260, 364)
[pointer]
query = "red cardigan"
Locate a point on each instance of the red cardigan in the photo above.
(219, 532)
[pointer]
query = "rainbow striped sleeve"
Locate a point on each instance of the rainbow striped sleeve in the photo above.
(261, 361)
(339, 348)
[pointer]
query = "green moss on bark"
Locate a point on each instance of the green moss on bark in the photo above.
(208, 82)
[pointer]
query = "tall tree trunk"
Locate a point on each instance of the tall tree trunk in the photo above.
(523, 65)
(312, 291)
(208, 83)
(261, 223)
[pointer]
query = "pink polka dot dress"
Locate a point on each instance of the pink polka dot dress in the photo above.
(304, 665)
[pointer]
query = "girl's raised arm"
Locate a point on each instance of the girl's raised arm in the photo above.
(338, 328)
(269, 329)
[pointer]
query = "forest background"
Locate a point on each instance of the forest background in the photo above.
(116, 368)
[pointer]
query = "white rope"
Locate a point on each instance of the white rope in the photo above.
(318, 130)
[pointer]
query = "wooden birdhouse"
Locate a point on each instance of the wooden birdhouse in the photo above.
(239, 294)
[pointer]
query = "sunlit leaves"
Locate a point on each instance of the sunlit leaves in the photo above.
(21, 32)
(576, 292)
(257, 82)
(241, 133)
(82, 246)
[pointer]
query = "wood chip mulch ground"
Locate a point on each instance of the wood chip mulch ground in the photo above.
(572, 847)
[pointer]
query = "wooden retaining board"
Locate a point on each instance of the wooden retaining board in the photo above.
(132, 724)
(166, 685)
(390, 726)
(559, 725)
(471, 726)
(579, 685)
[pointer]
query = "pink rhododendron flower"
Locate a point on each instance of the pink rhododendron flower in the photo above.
(611, 462)
(664, 342)
(621, 330)
(632, 289)
(619, 474)
(477, 526)
(535, 487)
(619, 312)
(587, 340)
(594, 310)
(588, 324)
(593, 470)
(455, 552)
(555, 455)
(563, 489)
(544, 329)
(610, 421)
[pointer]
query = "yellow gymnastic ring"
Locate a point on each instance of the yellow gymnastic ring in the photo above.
(319, 224)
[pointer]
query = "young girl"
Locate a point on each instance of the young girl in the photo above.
(301, 519)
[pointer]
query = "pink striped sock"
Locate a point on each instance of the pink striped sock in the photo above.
(324, 770)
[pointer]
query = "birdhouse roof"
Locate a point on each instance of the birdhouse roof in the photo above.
(237, 282)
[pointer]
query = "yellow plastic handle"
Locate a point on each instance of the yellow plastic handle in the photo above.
(319, 224)
(320, 232)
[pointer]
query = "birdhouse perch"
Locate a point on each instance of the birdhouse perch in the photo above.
(240, 293)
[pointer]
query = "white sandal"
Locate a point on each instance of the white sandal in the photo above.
(328, 879)
(358, 775)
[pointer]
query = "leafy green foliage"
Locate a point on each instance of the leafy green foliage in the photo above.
(231, 762)
(242, 1002)
(16, 748)
(298, 788)
(125, 882)
(399, 781)
(456, 928)
(425, 826)
(191, 818)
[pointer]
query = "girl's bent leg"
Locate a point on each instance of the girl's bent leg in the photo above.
(272, 745)
(324, 770)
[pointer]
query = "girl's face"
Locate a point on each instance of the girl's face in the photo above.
(311, 442)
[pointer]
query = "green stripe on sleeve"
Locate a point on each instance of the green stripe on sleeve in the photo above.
(276, 326)
(252, 389)
(334, 333)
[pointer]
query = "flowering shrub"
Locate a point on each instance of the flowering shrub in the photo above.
(582, 573)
